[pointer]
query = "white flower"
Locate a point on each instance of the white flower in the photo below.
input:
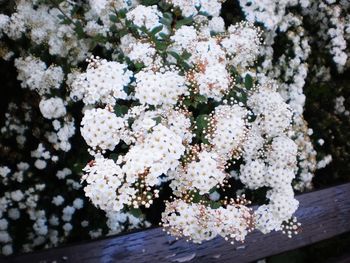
(192, 7)
(102, 128)
(52, 108)
(157, 88)
(145, 16)
(40, 164)
(159, 152)
(17, 195)
(78, 203)
(106, 186)
(103, 82)
(252, 174)
(58, 200)
(230, 129)
(34, 74)
(242, 44)
(203, 175)
(7, 250)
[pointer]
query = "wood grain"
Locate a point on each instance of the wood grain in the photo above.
(323, 214)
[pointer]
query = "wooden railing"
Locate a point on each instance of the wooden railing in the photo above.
(323, 214)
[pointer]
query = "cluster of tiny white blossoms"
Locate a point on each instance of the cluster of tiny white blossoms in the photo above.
(36, 196)
(194, 7)
(186, 118)
(39, 174)
(35, 75)
(101, 128)
(296, 63)
(174, 103)
(198, 223)
(103, 82)
(157, 88)
(318, 51)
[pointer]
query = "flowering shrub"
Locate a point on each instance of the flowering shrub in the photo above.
(187, 112)
(168, 97)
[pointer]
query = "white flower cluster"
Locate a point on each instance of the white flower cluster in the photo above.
(63, 132)
(273, 114)
(102, 129)
(202, 175)
(106, 187)
(34, 74)
(102, 6)
(198, 223)
(138, 51)
(157, 88)
(212, 56)
(52, 108)
(193, 7)
(158, 153)
(230, 129)
(42, 25)
(103, 82)
(156, 120)
(170, 103)
(242, 44)
(145, 16)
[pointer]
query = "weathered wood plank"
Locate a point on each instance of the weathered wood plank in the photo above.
(323, 214)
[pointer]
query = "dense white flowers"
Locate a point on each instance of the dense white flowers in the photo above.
(193, 7)
(105, 185)
(176, 99)
(101, 128)
(230, 129)
(35, 75)
(157, 88)
(199, 223)
(273, 114)
(201, 175)
(145, 16)
(158, 153)
(52, 108)
(242, 44)
(103, 82)
(165, 137)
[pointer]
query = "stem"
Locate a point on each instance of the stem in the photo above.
(62, 12)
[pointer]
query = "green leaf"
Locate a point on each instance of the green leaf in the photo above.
(168, 16)
(136, 212)
(156, 30)
(182, 22)
(158, 120)
(139, 66)
(248, 82)
(196, 197)
(200, 98)
(149, 2)
(114, 18)
(99, 39)
(202, 121)
(214, 205)
(185, 55)
(163, 35)
(161, 45)
(120, 110)
(114, 156)
(79, 29)
(122, 13)
(175, 55)
(164, 6)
